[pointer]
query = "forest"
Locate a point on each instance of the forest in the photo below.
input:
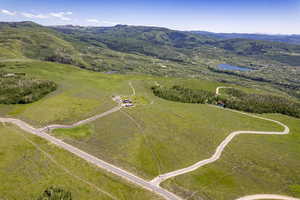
(185, 95)
(19, 89)
(261, 103)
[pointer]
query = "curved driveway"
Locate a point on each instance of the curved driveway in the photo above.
(219, 150)
(56, 126)
(218, 154)
(221, 87)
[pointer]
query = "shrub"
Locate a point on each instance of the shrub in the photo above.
(55, 193)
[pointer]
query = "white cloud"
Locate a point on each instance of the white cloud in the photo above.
(110, 23)
(33, 16)
(62, 15)
(7, 12)
(103, 23)
(95, 21)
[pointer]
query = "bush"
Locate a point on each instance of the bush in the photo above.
(55, 193)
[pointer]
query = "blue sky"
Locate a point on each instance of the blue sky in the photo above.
(256, 16)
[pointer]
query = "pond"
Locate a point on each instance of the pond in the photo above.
(234, 68)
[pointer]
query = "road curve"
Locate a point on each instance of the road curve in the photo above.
(88, 120)
(218, 154)
(267, 196)
(219, 150)
(82, 122)
(221, 87)
(92, 159)
(89, 158)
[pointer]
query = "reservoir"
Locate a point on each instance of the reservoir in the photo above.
(233, 68)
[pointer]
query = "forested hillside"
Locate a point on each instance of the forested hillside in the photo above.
(291, 39)
(155, 51)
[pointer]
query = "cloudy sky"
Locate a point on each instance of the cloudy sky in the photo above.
(255, 16)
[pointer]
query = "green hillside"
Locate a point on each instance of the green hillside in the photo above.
(155, 51)
(156, 136)
(29, 40)
(30, 165)
(250, 165)
(152, 41)
(281, 52)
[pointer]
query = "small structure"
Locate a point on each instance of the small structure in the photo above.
(127, 101)
(221, 104)
(128, 105)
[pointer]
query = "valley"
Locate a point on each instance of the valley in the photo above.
(81, 136)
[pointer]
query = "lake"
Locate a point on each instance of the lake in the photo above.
(234, 68)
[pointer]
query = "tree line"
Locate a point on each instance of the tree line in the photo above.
(19, 89)
(185, 95)
(261, 103)
(234, 99)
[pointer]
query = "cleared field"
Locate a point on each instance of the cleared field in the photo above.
(161, 136)
(80, 93)
(28, 165)
(251, 164)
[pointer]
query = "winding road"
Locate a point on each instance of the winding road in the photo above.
(218, 89)
(219, 150)
(152, 185)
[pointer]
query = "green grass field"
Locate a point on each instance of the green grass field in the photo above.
(162, 136)
(156, 136)
(80, 93)
(251, 164)
(26, 171)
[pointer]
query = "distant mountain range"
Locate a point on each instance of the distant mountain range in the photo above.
(68, 44)
(155, 50)
(292, 39)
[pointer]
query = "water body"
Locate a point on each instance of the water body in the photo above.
(233, 68)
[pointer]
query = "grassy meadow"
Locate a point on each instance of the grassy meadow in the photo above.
(80, 93)
(29, 165)
(156, 136)
(251, 164)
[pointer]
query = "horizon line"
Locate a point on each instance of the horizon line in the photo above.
(154, 26)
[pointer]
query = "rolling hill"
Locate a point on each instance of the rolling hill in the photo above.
(91, 66)
(154, 50)
(291, 39)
